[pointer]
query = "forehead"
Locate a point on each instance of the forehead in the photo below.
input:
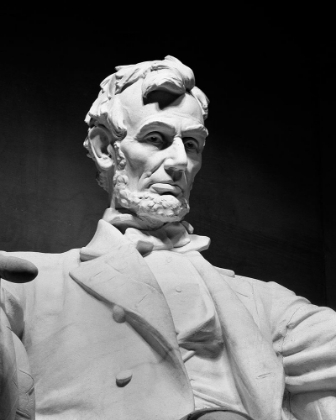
(137, 111)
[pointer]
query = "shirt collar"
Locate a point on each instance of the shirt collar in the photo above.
(176, 237)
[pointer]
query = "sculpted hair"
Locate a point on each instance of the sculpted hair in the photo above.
(169, 75)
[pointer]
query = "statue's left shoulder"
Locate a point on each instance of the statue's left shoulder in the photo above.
(266, 301)
(242, 285)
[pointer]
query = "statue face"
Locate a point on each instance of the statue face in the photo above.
(163, 153)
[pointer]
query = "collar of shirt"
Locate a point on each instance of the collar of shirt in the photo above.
(176, 237)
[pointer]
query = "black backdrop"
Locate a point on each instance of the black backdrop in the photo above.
(264, 195)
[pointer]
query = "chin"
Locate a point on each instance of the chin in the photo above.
(162, 215)
(153, 208)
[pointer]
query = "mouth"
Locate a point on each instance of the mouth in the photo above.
(166, 189)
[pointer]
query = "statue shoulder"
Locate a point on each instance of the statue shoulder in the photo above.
(41, 259)
(240, 284)
(268, 292)
(52, 268)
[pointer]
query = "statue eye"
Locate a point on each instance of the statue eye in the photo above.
(191, 144)
(154, 138)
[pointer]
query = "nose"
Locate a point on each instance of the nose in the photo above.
(176, 161)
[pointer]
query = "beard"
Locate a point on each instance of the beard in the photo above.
(154, 208)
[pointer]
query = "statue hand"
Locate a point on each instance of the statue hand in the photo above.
(17, 270)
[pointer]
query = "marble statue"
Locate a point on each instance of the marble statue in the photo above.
(137, 325)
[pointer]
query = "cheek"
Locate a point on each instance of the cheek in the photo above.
(134, 164)
(194, 167)
(135, 159)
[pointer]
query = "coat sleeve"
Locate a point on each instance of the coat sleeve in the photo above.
(304, 336)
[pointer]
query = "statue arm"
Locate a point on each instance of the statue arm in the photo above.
(16, 384)
(305, 338)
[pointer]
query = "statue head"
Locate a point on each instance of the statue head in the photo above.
(146, 135)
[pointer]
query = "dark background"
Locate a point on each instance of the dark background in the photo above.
(265, 193)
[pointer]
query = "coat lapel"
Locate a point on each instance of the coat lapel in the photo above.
(114, 272)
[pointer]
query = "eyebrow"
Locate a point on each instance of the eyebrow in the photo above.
(155, 126)
(196, 130)
(193, 130)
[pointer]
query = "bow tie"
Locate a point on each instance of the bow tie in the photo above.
(175, 237)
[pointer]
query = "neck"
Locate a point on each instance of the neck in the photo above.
(124, 218)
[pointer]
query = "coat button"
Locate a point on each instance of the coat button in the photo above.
(124, 377)
(118, 314)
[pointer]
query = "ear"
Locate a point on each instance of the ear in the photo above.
(100, 143)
